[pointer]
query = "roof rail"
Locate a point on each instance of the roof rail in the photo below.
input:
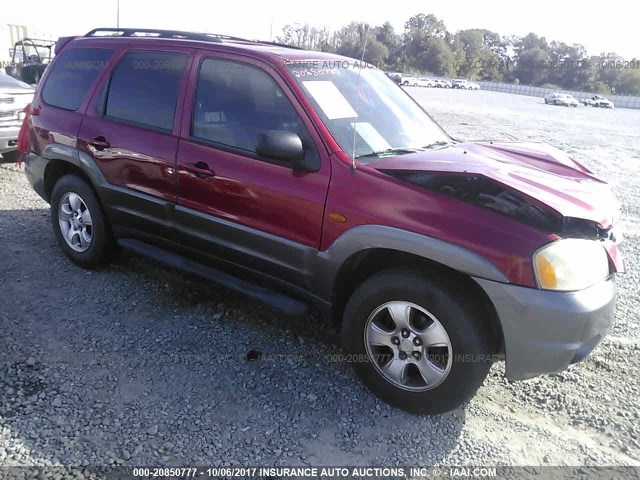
(154, 33)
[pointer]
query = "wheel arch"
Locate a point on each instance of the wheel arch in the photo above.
(353, 258)
(366, 263)
(64, 160)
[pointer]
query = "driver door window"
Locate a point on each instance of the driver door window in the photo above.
(235, 103)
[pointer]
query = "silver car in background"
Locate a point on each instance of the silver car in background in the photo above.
(14, 97)
(563, 99)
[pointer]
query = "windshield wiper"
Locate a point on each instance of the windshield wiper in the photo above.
(441, 143)
(391, 151)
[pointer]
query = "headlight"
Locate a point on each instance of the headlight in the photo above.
(21, 115)
(570, 264)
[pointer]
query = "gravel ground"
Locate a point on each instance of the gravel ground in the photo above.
(136, 364)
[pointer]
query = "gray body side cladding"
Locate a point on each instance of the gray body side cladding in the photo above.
(367, 237)
(35, 165)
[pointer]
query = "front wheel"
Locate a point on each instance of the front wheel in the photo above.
(416, 342)
(79, 224)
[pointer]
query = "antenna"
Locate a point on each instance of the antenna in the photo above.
(364, 49)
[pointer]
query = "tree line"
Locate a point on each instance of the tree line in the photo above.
(425, 46)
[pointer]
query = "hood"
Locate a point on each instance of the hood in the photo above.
(544, 174)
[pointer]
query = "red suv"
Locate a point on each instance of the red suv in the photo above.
(308, 179)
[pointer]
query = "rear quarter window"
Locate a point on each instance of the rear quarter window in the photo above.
(72, 75)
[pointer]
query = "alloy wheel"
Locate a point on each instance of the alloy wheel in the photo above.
(408, 346)
(75, 222)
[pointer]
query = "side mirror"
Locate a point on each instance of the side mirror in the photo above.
(283, 145)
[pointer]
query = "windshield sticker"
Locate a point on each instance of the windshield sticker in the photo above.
(370, 135)
(310, 72)
(330, 100)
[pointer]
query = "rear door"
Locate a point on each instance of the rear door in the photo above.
(59, 104)
(248, 210)
(130, 131)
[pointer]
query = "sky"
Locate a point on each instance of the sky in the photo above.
(610, 28)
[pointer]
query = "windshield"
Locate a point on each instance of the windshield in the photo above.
(365, 111)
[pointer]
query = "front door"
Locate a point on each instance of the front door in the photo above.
(248, 210)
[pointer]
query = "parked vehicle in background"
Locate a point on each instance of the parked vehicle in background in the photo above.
(409, 80)
(598, 101)
(465, 84)
(30, 59)
(427, 82)
(443, 83)
(395, 76)
(329, 188)
(14, 97)
(563, 99)
(420, 82)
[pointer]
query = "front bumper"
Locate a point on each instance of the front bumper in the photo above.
(545, 331)
(9, 138)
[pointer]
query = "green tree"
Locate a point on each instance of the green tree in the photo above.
(306, 36)
(357, 39)
(437, 58)
(387, 36)
(532, 60)
(417, 30)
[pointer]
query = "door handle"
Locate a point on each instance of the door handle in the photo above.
(200, 170)
(99, 143)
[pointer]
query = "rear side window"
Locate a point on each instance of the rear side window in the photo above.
(72, 74)
(144, 88)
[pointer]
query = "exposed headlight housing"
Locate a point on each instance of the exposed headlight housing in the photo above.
(570, 264)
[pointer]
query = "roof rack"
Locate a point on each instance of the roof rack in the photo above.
(150, 32)
(154, 33)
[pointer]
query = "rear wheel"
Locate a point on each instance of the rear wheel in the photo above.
(416, 342)
(79, 224)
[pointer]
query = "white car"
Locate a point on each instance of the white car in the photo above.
(561, 99)
(427, 82)
(442, 83)
(465, 85)
(415, 82)
(598, 101)
(14, 97)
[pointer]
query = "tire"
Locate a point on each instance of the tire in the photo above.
(10, 157)
(460, 363)
(90, 244)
